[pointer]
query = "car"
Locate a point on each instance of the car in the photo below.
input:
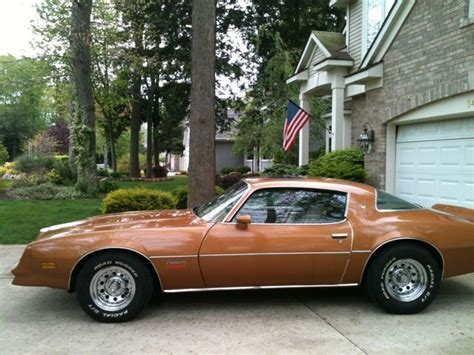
(260, 233)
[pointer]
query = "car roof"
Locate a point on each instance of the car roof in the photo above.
(307, 182)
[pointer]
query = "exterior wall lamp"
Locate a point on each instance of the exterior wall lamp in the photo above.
(366, 140)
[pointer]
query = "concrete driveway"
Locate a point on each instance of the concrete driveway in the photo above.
(41, 320)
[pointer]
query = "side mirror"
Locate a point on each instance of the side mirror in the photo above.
(243, 221)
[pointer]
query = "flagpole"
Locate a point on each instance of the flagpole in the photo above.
(303, 154)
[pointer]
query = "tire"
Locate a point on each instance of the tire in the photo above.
(403, 279)
(114, 287)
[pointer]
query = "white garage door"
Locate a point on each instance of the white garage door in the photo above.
(435, 162)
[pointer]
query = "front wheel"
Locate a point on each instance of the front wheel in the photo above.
(114, 287)
(403, 279)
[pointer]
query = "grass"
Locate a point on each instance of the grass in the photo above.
(21, 220)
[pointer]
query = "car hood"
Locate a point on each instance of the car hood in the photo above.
(120, 221)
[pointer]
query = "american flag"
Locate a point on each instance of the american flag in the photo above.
(296, 118)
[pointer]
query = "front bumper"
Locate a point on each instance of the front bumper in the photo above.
(31, 271)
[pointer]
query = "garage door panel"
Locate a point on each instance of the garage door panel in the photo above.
(435, 162)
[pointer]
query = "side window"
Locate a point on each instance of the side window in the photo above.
(295, 206)
(385, 201)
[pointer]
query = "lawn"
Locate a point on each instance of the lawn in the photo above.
(21, 220)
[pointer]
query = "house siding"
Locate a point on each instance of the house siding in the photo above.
(355, 32)
(431, 58)
(317, 57)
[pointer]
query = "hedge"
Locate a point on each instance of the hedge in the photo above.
(137, 199)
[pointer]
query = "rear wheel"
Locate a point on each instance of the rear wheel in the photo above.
(403, 279)
(114, 287)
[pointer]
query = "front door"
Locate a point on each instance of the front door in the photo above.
(296, 237)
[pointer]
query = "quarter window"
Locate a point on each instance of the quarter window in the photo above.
(385, 201)
(295, 206)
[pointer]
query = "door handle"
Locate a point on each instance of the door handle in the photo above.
(339, 235)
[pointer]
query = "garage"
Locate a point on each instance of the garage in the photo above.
(434, 162)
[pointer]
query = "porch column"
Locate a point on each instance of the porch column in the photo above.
(337, 113)
(303, 154)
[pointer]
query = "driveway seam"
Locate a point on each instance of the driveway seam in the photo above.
(332, 326)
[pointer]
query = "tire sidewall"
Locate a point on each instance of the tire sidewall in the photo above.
(140, 274)
(380, 268)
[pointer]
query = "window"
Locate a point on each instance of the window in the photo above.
(375, 12)
(288, 205)
(385, 201)
(217, 209)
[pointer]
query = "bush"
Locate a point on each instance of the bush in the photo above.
(47, 191)
(115, 175)
(67, 174)
(226, 181)
(103, 173)
(3, 154)
(282, 170)
(106, 186)
(137, 199)
(122, 163)
(240, 169)
(30, 181)
(54, 178)
(341, 164)
(181, 195)
(34, 164)
(160, 171)
(227, 170)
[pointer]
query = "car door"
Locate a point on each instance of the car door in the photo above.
(296, 237)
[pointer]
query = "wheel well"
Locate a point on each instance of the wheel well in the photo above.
(81, 262)
(433, 250)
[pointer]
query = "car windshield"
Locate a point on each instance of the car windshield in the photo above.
(385, 201)
(217, 209)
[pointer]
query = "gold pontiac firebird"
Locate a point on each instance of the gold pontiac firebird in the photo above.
(261, 233)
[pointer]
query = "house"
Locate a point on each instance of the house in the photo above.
(225, 157)
(401, 81)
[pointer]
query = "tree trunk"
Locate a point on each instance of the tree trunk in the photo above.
(134, 162)
(149, 130)
(202, 150)
(156, 120)
(84, 125)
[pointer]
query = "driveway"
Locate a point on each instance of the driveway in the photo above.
(41, 320)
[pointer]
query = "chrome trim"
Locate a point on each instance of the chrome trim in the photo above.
(111, 248)
(339, 235)
(172, 256)
(361, 251)
(278, 254)
(400, 239)
(178, 290)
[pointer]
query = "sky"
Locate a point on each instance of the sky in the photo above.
(15, 27)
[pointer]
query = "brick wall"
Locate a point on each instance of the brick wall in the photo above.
(430, 59)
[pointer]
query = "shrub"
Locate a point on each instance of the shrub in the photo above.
(137, 199)
(122, 163)
(47, 191)
(341, 164)
(181, 195)
(34, 164)
(3, 154)
(242, 169)
(53, 177)
(226, 181)
(67, 174)
(281, 170)
(226, 170)
(30, 181)
(106, 186)
(103, 173)
(160, 171)
(239, 169)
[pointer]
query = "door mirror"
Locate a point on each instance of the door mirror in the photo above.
(243, 221)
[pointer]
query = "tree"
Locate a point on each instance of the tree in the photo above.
(84, 120)
(202, 150)
(23, 97)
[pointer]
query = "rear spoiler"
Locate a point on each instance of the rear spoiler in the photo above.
(463, 212)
